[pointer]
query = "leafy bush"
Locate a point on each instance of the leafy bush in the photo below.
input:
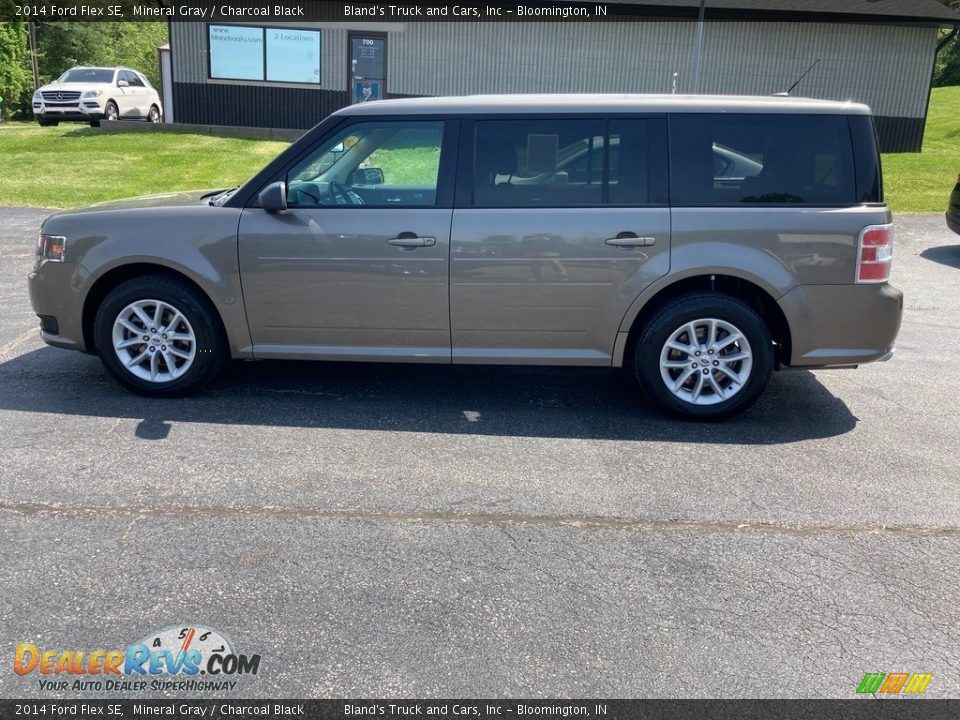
(16, 79)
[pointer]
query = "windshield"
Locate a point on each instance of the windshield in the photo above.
(87, 75)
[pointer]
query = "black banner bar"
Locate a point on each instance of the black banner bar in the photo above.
(866, 708)
(471, 11)
(318, 10)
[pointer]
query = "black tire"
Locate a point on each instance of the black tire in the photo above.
(48, 123)
(688, 309)
(94, 123)
(153, 115)
(110, 111)
(210, 342)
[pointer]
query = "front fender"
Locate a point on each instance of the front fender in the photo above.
(200, 244)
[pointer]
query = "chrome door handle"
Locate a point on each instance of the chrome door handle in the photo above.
(631, 242)
(411, 241)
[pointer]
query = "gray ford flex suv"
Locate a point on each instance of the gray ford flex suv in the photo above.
(700, 242)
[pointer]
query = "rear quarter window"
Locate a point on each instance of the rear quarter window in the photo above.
(761, 159)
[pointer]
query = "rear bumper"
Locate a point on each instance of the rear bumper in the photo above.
(842, 325)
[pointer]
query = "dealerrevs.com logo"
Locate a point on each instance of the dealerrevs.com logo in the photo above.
(898, 683)
(188, 658)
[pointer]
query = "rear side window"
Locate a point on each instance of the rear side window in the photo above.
(566, 163)
(771, 159)
(867, 157)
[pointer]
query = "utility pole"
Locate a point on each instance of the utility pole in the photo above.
(698, 49)
(33, 55)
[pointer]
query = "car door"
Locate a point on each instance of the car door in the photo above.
(560, 224)
(345, 273)
(140, 95)
(126, 95)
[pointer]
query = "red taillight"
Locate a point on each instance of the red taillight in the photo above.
(875, 254)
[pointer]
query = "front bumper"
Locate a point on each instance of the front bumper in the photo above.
(953, 221)
(52, 296)
(59, 113)
(842, 325)
(83, 109)
(92, 108)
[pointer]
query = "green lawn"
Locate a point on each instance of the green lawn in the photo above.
(921, 182)
(71, 165)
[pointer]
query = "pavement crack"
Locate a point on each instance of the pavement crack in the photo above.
(584, 522)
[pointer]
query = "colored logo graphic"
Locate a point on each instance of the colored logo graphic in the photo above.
(894, 683)
(186, 651)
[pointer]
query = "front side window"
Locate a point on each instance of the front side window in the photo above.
(386, 164)
(772, 159)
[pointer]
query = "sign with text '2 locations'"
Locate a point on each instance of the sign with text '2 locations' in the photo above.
(184, 658)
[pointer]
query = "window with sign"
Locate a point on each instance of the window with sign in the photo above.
(283, 55)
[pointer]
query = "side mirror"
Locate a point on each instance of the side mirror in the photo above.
(368, 176)
(122, 83)
(273, 198)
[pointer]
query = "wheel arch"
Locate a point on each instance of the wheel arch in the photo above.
(759, 298)
(120, 274)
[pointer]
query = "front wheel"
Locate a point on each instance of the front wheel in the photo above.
(154, 115)
(111, 112)
(159, 337)
(704, 356)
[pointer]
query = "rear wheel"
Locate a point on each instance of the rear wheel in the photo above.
(158, 336)
(704, 356)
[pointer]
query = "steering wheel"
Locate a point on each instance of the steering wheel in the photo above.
(342, 196)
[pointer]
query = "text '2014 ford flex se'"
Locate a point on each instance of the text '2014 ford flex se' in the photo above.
(699, 241)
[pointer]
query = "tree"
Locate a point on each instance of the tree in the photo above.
(16, 79)
(947, 70)
(61, 45)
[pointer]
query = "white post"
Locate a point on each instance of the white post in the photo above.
(698, 49)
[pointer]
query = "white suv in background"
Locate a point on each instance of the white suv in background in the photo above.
(90, 94)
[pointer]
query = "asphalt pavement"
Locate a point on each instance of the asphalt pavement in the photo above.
(420, 531)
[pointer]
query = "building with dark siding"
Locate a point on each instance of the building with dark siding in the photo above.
(291, 75)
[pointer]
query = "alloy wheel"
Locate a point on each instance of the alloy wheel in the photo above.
(154, 341)
(706, 361)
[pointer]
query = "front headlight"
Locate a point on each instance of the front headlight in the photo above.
(37, 95)
(93, 93)
(51, 247)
